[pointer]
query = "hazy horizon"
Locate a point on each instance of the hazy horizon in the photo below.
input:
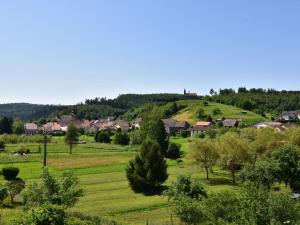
(63, 52)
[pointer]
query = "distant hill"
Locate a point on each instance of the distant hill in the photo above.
(91, 109)
(189, 113)
(26, 111)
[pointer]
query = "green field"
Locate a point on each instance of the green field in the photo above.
(101, 170)
(189, 113)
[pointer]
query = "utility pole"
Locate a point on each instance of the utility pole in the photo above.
(45, 151)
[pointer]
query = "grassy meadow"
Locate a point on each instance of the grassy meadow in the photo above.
(190, 112)
(101, 170)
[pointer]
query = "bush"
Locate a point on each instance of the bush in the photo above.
(3, 194)
(121, 138)
(10, 173)
(2, 145)
(185, 133)
(102, 137)
(173, 151)
(216, 111)
(136, 138)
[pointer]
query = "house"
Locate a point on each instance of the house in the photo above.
(204, 124)
(196, 130)
(30, 128)
(52, 127)
(173, 127)
(267, 124)
(124, 125)
(288, 116)
(136, 123)
(189, 94)
(230, 123)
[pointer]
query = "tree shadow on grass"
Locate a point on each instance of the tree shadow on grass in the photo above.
(219, 181)
(153, 191)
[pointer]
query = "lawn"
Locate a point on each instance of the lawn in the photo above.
(189, 113)
(101, 170)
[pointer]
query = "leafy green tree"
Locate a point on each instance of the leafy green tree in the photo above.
(121, 138)
(186, 195)
(185, 186)
(223, 206)
(234, 151)
(287, 159)
(154, 129)
(136, 137)
(72, 136)
(149, 169)
(216, 111)
(201, 114)
(204, 153)
(173, 151)
(65, 191)
(102, 136)
(15, 187)
(18, 127)
(5, 126)
(263, 173)
(46, 214)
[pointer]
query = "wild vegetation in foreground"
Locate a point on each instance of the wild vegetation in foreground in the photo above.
(250, 174)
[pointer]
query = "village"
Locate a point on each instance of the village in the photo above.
(173, 127)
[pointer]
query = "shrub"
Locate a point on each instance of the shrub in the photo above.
(102, 137)
(3, 194)
(10, 173)
(173, 151)
(121, 138)
(15, 187)
(136, 138)
(2, 145)
(216, 111)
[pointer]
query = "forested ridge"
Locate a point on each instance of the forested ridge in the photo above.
(90, 109)
(259, 100)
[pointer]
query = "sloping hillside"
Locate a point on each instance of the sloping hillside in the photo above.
(189, 113)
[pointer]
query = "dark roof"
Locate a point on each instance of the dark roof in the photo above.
(169, 122)
(198, 128)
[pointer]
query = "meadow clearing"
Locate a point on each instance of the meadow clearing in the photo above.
(101, 170)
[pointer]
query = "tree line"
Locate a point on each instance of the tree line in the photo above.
(258, 100)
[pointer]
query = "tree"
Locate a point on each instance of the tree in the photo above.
(10, 173)
(234, 151)
(211, 92)
(44, 215)
(15, 187)
(121, 138)
(216, 111)
(201, 114)
(149, 169)
(136, 137)
(186, 195)
(173, 151)
(186, 186)
(5, 126)
(262, 174)
(102, 136)
(287, 159)
(72, 136)
(18, 127)
(154, 129)
(204, 153)
(65, 191)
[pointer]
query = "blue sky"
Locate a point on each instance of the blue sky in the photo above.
(64, 51)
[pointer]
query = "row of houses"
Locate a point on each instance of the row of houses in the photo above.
(173, 127)
(61, 125)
